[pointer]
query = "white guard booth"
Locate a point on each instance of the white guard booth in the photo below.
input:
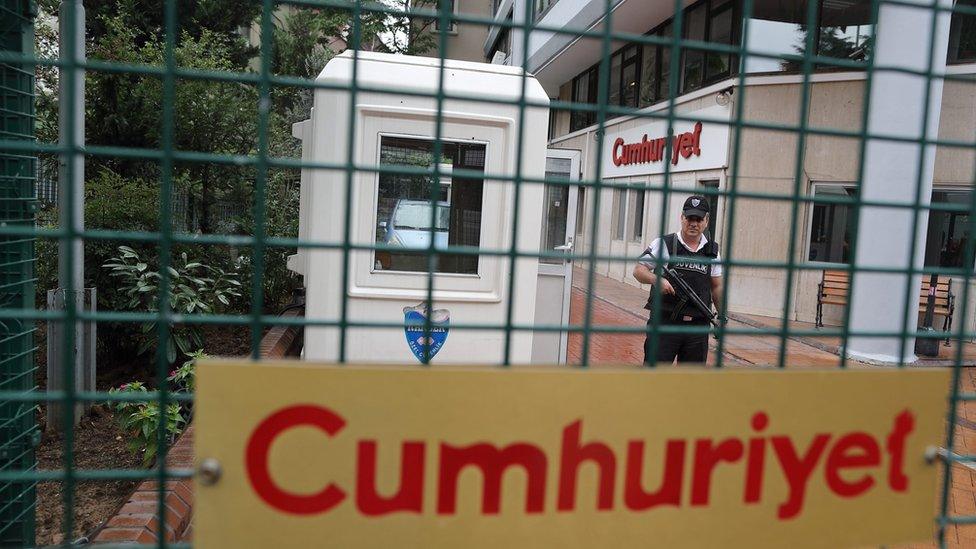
(397, 130)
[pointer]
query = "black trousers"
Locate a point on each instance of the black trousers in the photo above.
(684, 347)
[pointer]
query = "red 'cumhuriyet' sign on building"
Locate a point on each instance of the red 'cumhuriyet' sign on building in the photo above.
(359, 456)
(646, 150)
(698, 142)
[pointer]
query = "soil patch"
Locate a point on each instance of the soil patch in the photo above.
(227, 341)
(98, 444)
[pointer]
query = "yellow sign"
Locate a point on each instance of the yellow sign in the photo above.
(347, 456)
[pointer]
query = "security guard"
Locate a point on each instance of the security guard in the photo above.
(704, 278)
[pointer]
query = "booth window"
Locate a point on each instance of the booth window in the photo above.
(407, 217)
(580, 211)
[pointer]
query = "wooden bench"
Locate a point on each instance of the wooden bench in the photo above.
(834, 287)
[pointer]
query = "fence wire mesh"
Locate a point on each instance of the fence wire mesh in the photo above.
(604, 73)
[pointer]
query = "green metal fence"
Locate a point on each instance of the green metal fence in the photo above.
(18, 425)
(17, 173)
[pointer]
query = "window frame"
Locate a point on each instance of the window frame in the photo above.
(660, 52)
(814, 185)
(634, 60)
(375, 217)
(732, 7)
(454, 24)
(618, 217)
(955, 31)
(714, 185)
(592, 76)
(683, 86)
(635, 219)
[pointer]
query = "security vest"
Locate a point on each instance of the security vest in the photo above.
(697, 275)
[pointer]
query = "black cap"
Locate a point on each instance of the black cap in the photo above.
(696, 205)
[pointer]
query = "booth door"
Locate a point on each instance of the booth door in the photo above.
(556, 273)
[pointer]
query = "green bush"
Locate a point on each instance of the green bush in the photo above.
(140, 420)
(193, 288)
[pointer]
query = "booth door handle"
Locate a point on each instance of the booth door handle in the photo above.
(564, 248)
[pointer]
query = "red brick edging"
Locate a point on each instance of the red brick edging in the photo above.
(138, 520)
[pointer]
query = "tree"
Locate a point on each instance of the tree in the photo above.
(831, 41)
(209, 116)
(147, 20)
(307, 38)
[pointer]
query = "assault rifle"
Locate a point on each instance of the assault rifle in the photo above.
(686, 295)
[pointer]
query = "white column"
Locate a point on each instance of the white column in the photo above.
(891, 174)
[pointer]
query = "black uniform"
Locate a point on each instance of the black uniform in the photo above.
(686, 347)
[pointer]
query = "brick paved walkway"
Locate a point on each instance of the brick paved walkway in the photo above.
(619, 304)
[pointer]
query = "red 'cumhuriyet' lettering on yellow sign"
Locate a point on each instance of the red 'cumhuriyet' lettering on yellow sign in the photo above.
(849, 453)
(683, 145)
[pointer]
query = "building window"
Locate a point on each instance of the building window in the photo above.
(948, 232)
(636, 203)
(831, 229)
(451, 5)
(962, 35)
(693, 64)
(541, 6)
(552, 123)
(613, 96)
(628, 76)
(407, 217)
(648, 74)
(844, 30)
(711, 194)
(503, 43)
(720, 31)
(584, 92)
(946, 239)
(664, 61)
(619, 213)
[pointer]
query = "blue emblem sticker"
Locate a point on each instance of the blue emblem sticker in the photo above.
(414, 320)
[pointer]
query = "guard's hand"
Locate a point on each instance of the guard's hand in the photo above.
(666, 287)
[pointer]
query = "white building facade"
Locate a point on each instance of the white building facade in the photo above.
(766, 162)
